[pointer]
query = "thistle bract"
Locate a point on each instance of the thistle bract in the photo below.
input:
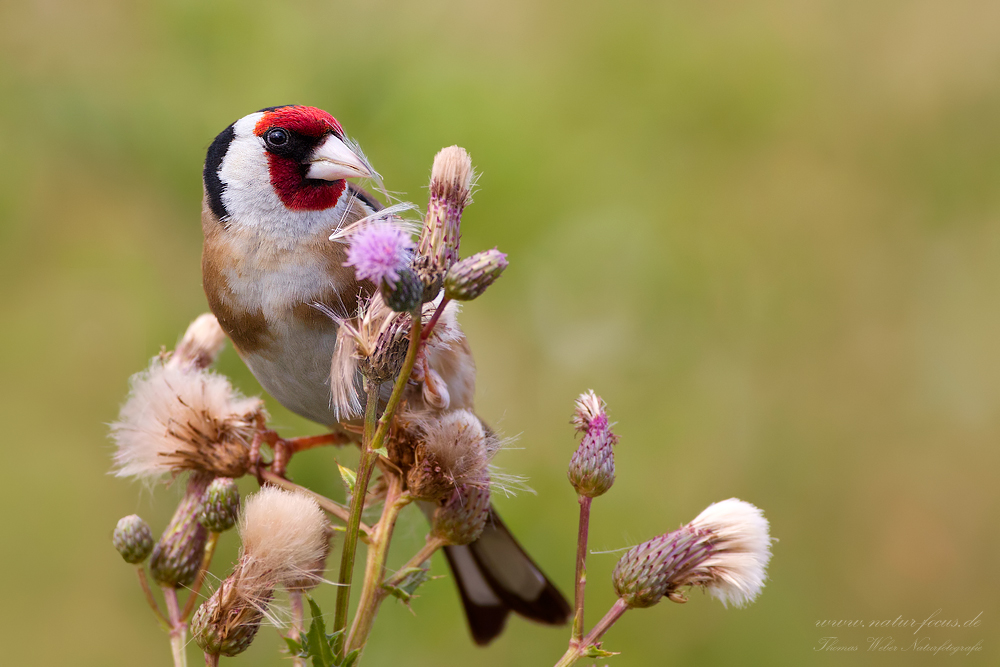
(177, 555)
(462, 517)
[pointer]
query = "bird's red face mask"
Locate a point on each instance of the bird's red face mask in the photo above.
(307, 156)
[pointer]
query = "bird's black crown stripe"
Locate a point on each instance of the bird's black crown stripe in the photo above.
(213, 161)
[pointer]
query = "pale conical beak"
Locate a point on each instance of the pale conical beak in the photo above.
(333, 160)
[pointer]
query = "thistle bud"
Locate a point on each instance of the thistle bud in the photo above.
(177, 555)
(592, 468)
(725, 551)
(220, 505)
(462, 517)
(451, 184)
(407, 293)
(225, 624)
(469, 278)
(133, 539)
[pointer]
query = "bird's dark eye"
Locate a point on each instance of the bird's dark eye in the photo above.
(276, 138)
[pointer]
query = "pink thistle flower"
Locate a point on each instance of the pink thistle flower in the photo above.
(379, 252)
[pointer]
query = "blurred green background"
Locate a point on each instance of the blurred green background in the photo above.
(766, 232)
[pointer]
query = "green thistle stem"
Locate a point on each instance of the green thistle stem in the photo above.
(148, 593)
(371, 597)
(574, 653)
(295, 601)
(366, 465)
(178, 628)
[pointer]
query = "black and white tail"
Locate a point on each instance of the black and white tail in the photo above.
(495, 577)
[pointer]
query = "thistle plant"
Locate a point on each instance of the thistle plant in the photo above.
(419, 442)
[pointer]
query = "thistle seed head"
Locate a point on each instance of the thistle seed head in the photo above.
(374, 343)
(725, 551)
(452, 450)
(133, 539)
(285, 536)
(178, 419)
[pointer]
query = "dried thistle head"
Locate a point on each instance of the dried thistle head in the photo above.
(374, 343)
(453, 450)
(284, 536)
(228, 621)
(725, 551)
(178, 419)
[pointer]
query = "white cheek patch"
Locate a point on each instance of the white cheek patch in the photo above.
(248, 195)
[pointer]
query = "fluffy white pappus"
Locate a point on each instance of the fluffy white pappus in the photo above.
(741, 549)
(178, 419)
(452, 175)
(200, 345)
(345, 394)
(284, 535)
